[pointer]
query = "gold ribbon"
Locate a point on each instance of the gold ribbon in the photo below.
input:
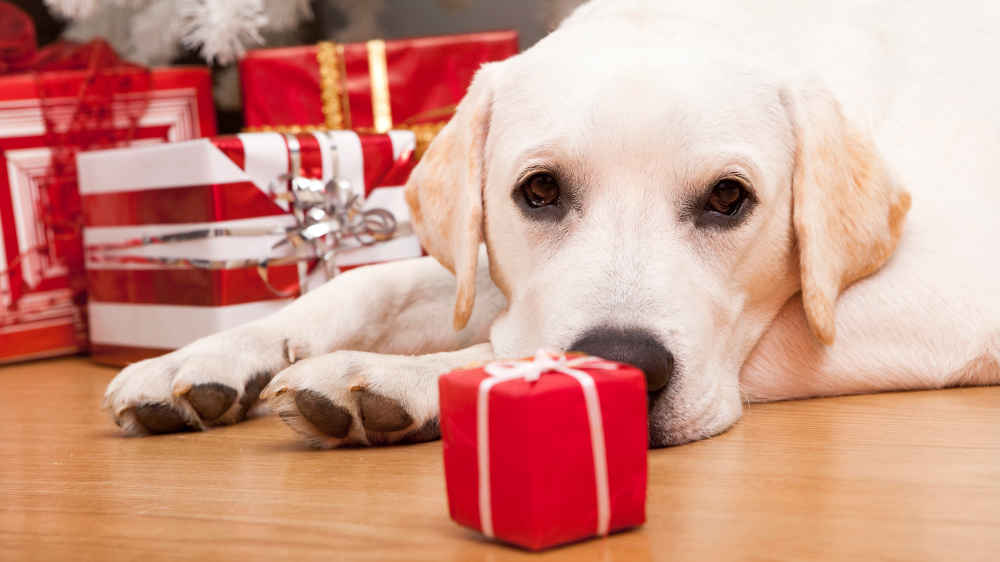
(336, 105)
(333, 89)
(378, 73)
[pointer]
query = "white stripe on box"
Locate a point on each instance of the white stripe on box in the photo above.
(265, 157)
(27, 229)
(405, 247)
(325, 154)
(216, 248)
(117, 234)
(250, 247)
(176, 108)
(195, 162)
(25, 170)
(402, 141)
(169, 326)
(350, 164)
(391, 199)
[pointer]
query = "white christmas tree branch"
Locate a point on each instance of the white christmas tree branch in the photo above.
(151, 32)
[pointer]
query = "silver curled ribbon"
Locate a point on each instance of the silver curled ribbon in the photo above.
(329, 215)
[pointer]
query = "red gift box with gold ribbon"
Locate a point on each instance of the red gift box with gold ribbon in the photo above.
(373, 86)
(53, 103)
(545, 451)
(186, 239)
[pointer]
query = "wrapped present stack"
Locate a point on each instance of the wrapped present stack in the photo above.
(248, 222)
(55, 102)
(375, 86)
(253, 220)
(129, 228)
(545, 451)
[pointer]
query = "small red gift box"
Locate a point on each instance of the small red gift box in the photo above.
(176, 233)
(545, 451)
(49, 110)
(377, 85)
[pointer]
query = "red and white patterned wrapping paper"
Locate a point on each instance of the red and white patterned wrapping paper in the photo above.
(141, 309)
(40, 307)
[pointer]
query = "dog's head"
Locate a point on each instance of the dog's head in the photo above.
(656, 212)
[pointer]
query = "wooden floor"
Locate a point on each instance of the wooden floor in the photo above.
(908, 476)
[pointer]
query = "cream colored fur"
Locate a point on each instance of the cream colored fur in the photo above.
(844, 116)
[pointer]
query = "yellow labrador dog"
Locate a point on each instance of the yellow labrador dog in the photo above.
(750, 200)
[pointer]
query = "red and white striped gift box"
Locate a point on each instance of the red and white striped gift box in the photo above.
(41, 268)
(146, 299)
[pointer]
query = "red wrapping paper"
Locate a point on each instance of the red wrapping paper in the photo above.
(541, 464)
(427, 76)
(67, 97)
(17, 38)
(222, 181)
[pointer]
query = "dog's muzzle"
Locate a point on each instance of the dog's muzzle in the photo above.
(630, 345)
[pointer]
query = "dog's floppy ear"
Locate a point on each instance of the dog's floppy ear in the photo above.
(847, 209)
(445, 192)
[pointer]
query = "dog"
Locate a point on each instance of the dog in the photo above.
(749, 201)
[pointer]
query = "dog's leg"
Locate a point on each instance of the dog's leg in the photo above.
(400, 307)
(883, 344)
(359, 398)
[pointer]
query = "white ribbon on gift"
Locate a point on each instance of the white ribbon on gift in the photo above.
(532, 370)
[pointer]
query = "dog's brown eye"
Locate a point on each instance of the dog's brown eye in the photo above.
(727, 197)
(540, 190)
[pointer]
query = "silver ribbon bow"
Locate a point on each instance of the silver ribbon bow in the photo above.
(329, 215)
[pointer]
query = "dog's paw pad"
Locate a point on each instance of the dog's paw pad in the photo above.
(379, 413)
(214, 381)
(430, 431)
(210, 400)
(252, 389)
(160, 418)
(324, 415)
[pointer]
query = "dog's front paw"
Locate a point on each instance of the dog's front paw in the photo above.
(214, 381)
(358, 398)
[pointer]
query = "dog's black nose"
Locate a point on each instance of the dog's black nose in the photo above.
(635, 346)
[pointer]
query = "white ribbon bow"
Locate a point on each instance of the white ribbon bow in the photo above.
(532, 370)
